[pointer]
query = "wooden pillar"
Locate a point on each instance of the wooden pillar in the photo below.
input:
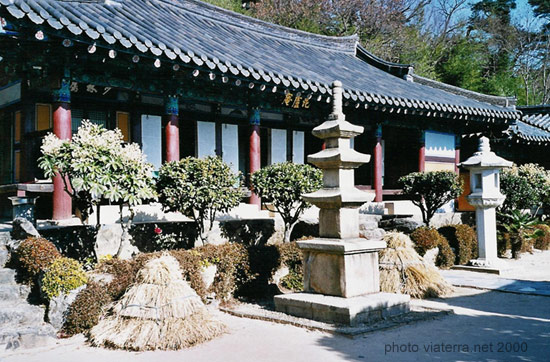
(255, 150)
(422, 152)
(377, 177)
(457, 153)
(172, 147)
(62, 205)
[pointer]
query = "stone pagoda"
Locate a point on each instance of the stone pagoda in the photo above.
(341, 275)
(484, 167)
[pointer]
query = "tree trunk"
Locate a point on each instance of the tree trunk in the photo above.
(288, 230)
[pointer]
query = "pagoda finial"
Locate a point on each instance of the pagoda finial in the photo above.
(337, 97)
(484, 145)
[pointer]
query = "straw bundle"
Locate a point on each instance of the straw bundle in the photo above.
(402, 270)
(160, 311)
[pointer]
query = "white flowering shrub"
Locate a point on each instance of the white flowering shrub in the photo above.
(97, 164)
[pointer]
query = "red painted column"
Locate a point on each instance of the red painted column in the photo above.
(62, 204)
(422, 153)
(377, 182)
(172, 131)
(457, 153)
(255, 150)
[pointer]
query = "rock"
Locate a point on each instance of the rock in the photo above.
(431, 256)
(100, 278)
(4, 256)
(406, 225)
(108, 240)
(59, 306)
(208, 274)
(280, 274)
(22, 229)
(374, 234)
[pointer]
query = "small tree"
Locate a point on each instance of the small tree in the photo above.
(431, 190)
(199, 188)
(97, 164)
(525, 187)
(283, 184)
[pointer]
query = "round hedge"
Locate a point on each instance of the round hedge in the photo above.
(62, 276)
(426, 238)
(463, 239)
(86, 309)
(35, 255)
(542, 242)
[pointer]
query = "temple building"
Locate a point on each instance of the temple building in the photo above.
(186, 78)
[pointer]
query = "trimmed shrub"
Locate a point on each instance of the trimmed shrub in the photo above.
(542, 242)
(35, 255)
(199, 188)
(426, 238)
(231, 261)
(86, 310)
(431, 190)
(463, 239)
(291, 257)
(525, 187)
(283, 184)
(62, 276)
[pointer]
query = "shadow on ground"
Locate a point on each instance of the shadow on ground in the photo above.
(490, 326)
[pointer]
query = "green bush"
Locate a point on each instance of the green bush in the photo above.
(291, 257)
(518, 228)
(86, 309)
(283, 185)
(525, 187)
(62, 276)
(542, 242)
(426, 238)
(34, 255)
(198, 188)
(462, 238)
(431, 190)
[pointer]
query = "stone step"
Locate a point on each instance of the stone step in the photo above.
(13, 293)
(40, 335)
(20, 314)
(7, 276)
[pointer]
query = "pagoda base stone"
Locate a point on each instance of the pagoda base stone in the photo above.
(344, 268)
(368, 308)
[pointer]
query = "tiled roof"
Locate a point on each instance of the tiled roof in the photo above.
(527, 132)
(202, 35)
(534, 125)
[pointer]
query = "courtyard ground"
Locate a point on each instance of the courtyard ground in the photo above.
(485, 326)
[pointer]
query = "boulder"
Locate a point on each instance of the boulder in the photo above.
(304, 228)
(372, 234)
(406, 225)
(22, 229)
(431, 256)
(108, 241)
(59, 307)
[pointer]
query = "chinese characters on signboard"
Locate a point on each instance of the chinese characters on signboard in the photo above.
(296, 101)
(89, 88)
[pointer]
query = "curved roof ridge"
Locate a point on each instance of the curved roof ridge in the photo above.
(509, 102)
(343, 43)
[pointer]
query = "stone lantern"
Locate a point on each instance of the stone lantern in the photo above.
(341, 276)
(485, 168)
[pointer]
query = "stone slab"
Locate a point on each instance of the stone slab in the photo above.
(342, 246)
(483, 269)
(349, 311)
